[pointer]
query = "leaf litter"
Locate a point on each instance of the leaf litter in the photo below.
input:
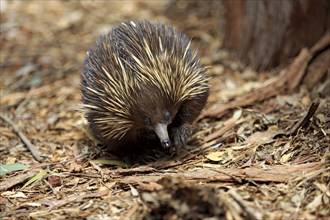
(260, 150)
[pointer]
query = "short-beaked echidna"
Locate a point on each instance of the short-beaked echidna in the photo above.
(139, 78)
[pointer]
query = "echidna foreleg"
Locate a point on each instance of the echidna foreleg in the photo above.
(180, 129)
(179, 136)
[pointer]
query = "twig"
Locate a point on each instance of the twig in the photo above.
(252, 213)
(229, 124)
(297, 69)
(89, 175)
(98, 168)
(322, 43)
(275, 173)
(12, 181)
(75, 198)
(25, 140)
(311, 111)
(302, 122)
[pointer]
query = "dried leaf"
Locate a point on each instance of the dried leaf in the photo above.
(286, 157)
(11, 160)
(134, 191)
(14, 195)
(317, 201)
(215, 156)
(75, 167)
(33, 204)
(151, 186)
(259, 138)
(323, 188)
(54, 180)
(237, 114)
(239, 147)
(76, 198)
(56, 174)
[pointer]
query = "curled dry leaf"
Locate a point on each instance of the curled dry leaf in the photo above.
(215, 156)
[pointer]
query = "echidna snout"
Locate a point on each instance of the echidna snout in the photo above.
(162, 133)
(157, 116)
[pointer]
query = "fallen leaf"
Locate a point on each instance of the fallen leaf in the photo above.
(323, 188)
(150, 186)
(75, 167)
(260, 138)
(10, 160)
(15, 195)
(6, 168)
(134, 191)
(54, 180)
(237, 114)
(286, 157)
(317, 201)
(238, 147)
(75, 198)
(34, 204)
(215, 156)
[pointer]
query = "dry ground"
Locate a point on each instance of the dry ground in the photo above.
(255, 162)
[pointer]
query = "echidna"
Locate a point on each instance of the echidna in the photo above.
(139, 78)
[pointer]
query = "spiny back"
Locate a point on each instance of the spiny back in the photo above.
(138, 60)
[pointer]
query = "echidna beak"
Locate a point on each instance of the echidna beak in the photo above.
(161, 131)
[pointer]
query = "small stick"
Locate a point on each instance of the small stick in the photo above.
(14, 180)
(252, 213)
(25, 140)
(303, 121)
(322, 43)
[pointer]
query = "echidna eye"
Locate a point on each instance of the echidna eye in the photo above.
(147, 121)
(167, 116)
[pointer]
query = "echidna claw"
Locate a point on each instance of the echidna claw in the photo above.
(180, 135)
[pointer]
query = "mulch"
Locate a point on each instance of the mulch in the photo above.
(259, 150)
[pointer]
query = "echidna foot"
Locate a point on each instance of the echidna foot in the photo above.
(180, 135)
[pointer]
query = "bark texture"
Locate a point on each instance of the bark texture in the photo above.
(266, 33)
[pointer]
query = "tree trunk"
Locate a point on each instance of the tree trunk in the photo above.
(264, 33)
